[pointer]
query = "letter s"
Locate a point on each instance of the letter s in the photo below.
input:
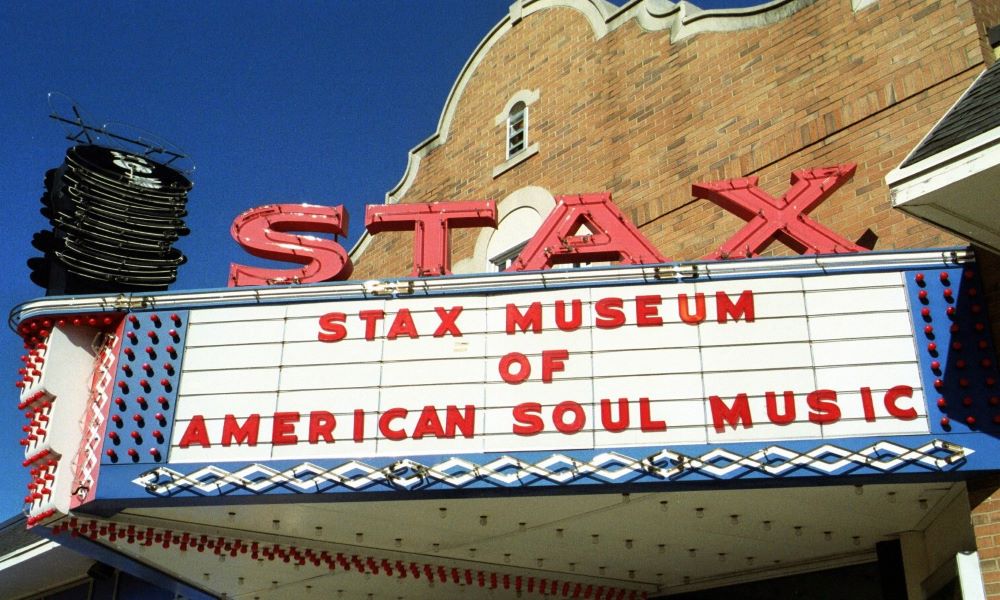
(528, 417)
(262, 232)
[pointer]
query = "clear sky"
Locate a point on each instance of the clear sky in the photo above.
(285, 101)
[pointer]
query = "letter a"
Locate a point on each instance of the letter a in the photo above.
(611, 236)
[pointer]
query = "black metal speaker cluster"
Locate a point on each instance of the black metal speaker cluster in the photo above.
(115, 216)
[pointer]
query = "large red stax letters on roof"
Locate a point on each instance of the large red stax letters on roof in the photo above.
(581, 228)
(263, 232)
(784, 218)
(431, 224)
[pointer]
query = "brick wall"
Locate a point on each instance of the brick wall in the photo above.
(644, 118)
(987, 13)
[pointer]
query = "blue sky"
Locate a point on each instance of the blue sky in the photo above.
(275, 102)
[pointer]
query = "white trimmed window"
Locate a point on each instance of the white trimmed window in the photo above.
(513, 123)
(517, 129)
(503, 261)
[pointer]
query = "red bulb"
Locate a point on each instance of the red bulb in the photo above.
(928, 329)
(967, 401)
(936, 365)
(945, 422)
(943, 276)
(925, 312)
(922, 294)
(970, 421)
(919, 278)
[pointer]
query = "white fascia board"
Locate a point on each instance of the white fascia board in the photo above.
(944, 168)
(26, 553)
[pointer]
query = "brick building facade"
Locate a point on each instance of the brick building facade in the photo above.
(643, 107)
(646, 99)
(307, 453)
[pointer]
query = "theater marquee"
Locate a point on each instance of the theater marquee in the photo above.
(670, 374)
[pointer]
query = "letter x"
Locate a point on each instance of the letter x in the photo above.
(784, 218)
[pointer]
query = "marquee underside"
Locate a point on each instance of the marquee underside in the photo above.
(680, 541)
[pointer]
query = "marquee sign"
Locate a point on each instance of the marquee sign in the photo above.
(671, 374)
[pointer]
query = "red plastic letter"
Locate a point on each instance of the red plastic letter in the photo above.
(283, 430)
(523, 366)
(823, 404)
(387, 418)
(559, 412)
(895, 393)
(265, 233)
(646, 420)
(402, 325)
(646, 311)
(321, 424)
(552, 361)
(609, 313)
(232, 432)
(196, 433)
(528, 419)
(371, 318)
(743, 307)
(722, 414)
(531, 318)
(330, 328)
(448, 324)
(430, 223)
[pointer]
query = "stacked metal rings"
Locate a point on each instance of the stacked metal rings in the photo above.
(115, 216)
